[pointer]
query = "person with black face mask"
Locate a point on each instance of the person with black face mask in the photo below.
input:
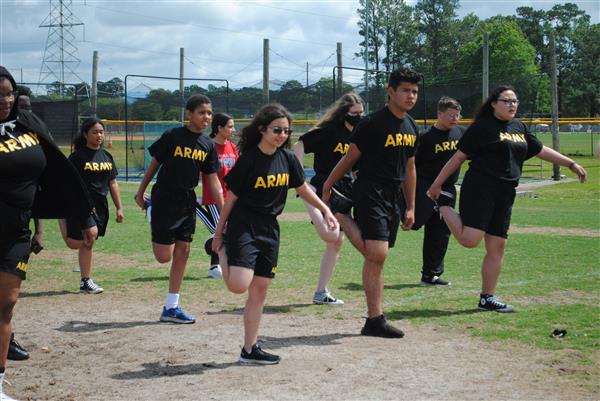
(329, 141)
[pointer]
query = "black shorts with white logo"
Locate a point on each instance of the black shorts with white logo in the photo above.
(377, 210)
(15, 241)
(252, 241)
(486, 203)
(173, 216)
(100, 217)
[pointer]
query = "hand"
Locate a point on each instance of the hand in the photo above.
(580, 171)
(217, 243)
(89, 235)
(326, 193)
(409, 219)
(37, 243)
(120, 215)
(139, 200)
(434, 192)
(332, 223)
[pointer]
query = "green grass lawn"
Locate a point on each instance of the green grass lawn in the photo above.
(552, 280)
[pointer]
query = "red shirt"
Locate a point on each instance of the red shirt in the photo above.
(227, 155)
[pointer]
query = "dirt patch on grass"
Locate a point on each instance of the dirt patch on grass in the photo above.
(571, 232)
(112, 347)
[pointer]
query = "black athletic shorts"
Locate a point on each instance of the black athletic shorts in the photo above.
(423, 204)
(173, 216)
(377, 210)
(100, 217)
(15, 240)
(486, 203)
(252, 241)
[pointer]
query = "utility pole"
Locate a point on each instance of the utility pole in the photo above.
(95, 84)
(181, 75)
(485, 84)
(554, 87)
(340, 79)
(266, 71)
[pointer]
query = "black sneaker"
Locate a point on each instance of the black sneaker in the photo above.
(379, 327)
(435, 280)
(445, 199)
(490, 302)
(15, 351)
(258, 357)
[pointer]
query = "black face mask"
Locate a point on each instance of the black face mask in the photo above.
(352, 119)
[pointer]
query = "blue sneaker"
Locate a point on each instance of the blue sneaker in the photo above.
(176, 315)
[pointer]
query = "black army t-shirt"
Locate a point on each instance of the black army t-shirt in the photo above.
(261, 181)
(22, 162)
(436, 147)
(329, 144)
(498, 148)
(386, 142)
(96, 167)
(183, 155)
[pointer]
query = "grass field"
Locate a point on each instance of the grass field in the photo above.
(552, 279)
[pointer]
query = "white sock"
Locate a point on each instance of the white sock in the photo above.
(172, 300)
(1, 382)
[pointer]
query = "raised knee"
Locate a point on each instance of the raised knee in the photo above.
(163, 258)
(236, 288)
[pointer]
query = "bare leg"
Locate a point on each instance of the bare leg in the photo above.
(328, 261)
(352, 231)
(181, 254)
(257, 294)
(492, 263)
(373, 276)
(468, 237)
(85, 260)
(10, 286)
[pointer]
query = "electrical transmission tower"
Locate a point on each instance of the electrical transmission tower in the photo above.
(60, 56)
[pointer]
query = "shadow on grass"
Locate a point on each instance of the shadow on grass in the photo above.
(76, 326)
(313, 340)
(45, 294)
(428, 313)
(154, 370)
(269, 309)
(359, 286)
(161, 278)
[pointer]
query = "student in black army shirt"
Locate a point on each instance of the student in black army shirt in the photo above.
(258, 186)
(497, 145)
(34, 178)
(436, 147)
(329, 141)
(385, 144)
(99, 172)
(182, 154)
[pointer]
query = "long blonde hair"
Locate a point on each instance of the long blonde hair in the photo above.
(335, 113)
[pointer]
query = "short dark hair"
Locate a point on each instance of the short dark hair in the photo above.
(219, 120)
(486, 109)
(251, 133)
(446, 103)
(403, 75)
(195, 101)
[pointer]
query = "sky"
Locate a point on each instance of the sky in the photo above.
(221, 39)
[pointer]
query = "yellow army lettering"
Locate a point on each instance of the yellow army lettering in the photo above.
(445, 146)
(341, 148)
(24, 141)
(400, 139)
(272, 180)
(22, 266)
(507, 136)
(189, 153)
(274, 269)
(93, 166)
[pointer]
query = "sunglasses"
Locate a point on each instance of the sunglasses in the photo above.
(280, 130)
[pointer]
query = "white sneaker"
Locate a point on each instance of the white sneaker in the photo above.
(215, 272)
(325, 298)
(4, 397)
(77, 269)
(89, 287)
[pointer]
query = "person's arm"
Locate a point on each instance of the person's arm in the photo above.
(115, 194)
(217, 242)
(215, 189)
(309, 196)
(340, 169)
(299, 152)
(37, 241)
(409, 186)
(552, 156)
(148, 175)
(449, 168)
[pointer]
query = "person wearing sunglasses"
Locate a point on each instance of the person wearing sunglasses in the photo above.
(436, 147)
(497, 145)
(329, 141)
(258, 187)
(34, 177)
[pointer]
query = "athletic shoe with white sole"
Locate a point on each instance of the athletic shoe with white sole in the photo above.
(77, 269)
(176, 315)
(3, 396)
(88, 286)
(491, 303)
(215, 272)
(325, 298)
(435, 280)
(258, 357)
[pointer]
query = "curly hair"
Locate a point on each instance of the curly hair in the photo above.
(251, 133)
